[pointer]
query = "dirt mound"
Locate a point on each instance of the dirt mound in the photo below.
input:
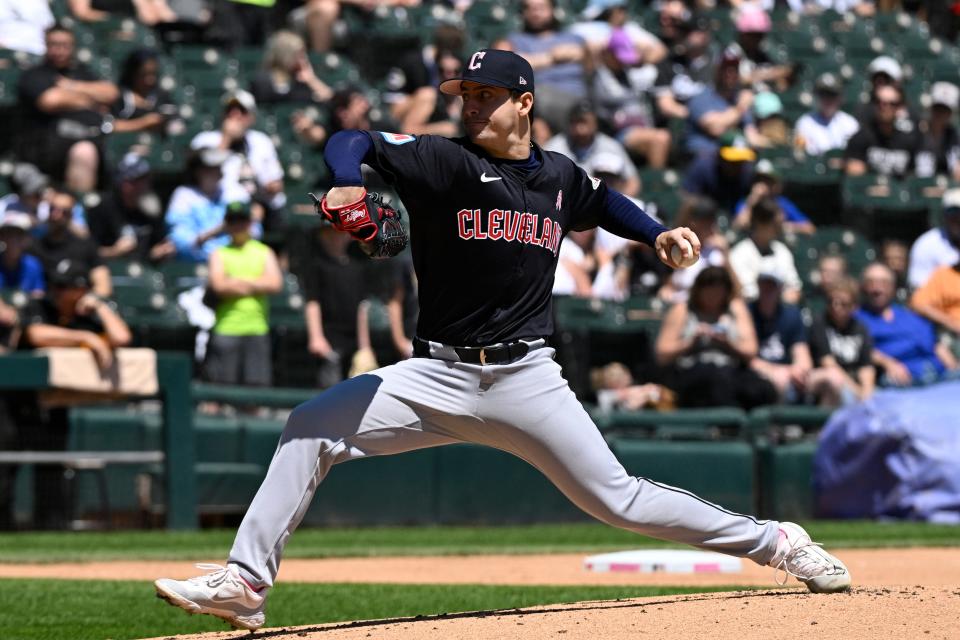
(864, 613)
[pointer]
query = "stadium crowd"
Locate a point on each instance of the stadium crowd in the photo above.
(179, 140)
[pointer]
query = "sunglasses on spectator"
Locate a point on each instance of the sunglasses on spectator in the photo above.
(888, 103)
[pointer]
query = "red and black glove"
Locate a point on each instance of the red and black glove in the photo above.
(378, 227)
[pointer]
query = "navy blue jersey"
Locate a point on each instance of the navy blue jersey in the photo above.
(484, 234)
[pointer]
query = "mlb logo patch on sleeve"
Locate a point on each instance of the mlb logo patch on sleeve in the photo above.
(397, 138)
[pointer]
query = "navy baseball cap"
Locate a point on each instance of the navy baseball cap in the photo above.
(495, 68)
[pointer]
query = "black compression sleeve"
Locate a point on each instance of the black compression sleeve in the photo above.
(344, 153)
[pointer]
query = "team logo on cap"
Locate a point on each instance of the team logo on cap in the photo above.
(523, 80)
(475, 60)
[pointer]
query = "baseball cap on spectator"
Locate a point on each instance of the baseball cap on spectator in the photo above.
(244, 99)
(596, 8)
(769, 273)
(28, 180)
(69, 274)
(237, 211)
(828, 83)
(734, 148)
(767, 104)
(695, 22)
(732, 54)
(494, 68)
(608, 164)
(765, 169)
(132, 167)
(753, 19)
(622, 48)
(951, 201)
(211, 157)
(946, 94)
(16, 220)
(886, 65)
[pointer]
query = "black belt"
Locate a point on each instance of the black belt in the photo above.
(503, 353)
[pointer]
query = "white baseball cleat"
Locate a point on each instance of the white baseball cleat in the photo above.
(221, 593)
(799, 556)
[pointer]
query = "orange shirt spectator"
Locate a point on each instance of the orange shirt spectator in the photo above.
(939, 298)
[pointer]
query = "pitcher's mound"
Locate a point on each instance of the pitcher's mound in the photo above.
(862, 614)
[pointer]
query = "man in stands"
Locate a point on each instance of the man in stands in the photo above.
(939, 246)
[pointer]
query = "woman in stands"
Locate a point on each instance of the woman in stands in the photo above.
(706, 343)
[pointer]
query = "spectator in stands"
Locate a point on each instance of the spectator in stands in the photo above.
(143, 104)
(885, 71)
(29, 188)
(905, 345)
(71, 316)
(827, 127)
(688, 70)
(757, 69)
(616, 390)
(762, 252)
(583, 143)
(895, 254)
(773, 130)
(350, 109)
(60, 245)
(149, 12)
(724, 176)
(128, 221)
(322, 15)
(879, 146)
(601, 19)
(720, 109)
(768, 183)
(287, 76)
(783, 356)
(939, 246)
(831, 270)
(335, 288)
(22, 26)
(196, 209)
(673, 18)
(412, 99)
(557, 57)
(576, 265)
(863, 8)
(448, 65)
(621, 89)
(938, 300)
(940, 142)
(705, 345)
(700, 215)
(18, 269)
(841, 349)
(250, 154)
(242, 274)
(63, 103)
(402, 309)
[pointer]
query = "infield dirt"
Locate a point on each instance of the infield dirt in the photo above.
(888, 602)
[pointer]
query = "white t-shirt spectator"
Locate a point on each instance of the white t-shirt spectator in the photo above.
(260, 156)
(819, 136)
(929, 252)
(602, 145)
(748, 263)
(840, 6)
(22, 23)
(564, 283)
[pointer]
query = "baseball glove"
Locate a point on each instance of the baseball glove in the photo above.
(378, 227)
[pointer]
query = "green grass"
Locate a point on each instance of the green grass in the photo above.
(94, 610)
(392, 541)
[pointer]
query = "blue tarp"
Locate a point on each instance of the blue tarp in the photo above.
(897, 455)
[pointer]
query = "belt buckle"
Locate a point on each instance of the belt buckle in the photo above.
(483, 356)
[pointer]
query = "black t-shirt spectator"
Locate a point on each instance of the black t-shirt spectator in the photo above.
(44, 311)
(78, 251)
(777, 335)
(850, 347)
(266, 91)
(339, 285)
(127, 108)
(110, 220)
(893, 155)
(939, 157)
(684, 79)
(34, 82)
